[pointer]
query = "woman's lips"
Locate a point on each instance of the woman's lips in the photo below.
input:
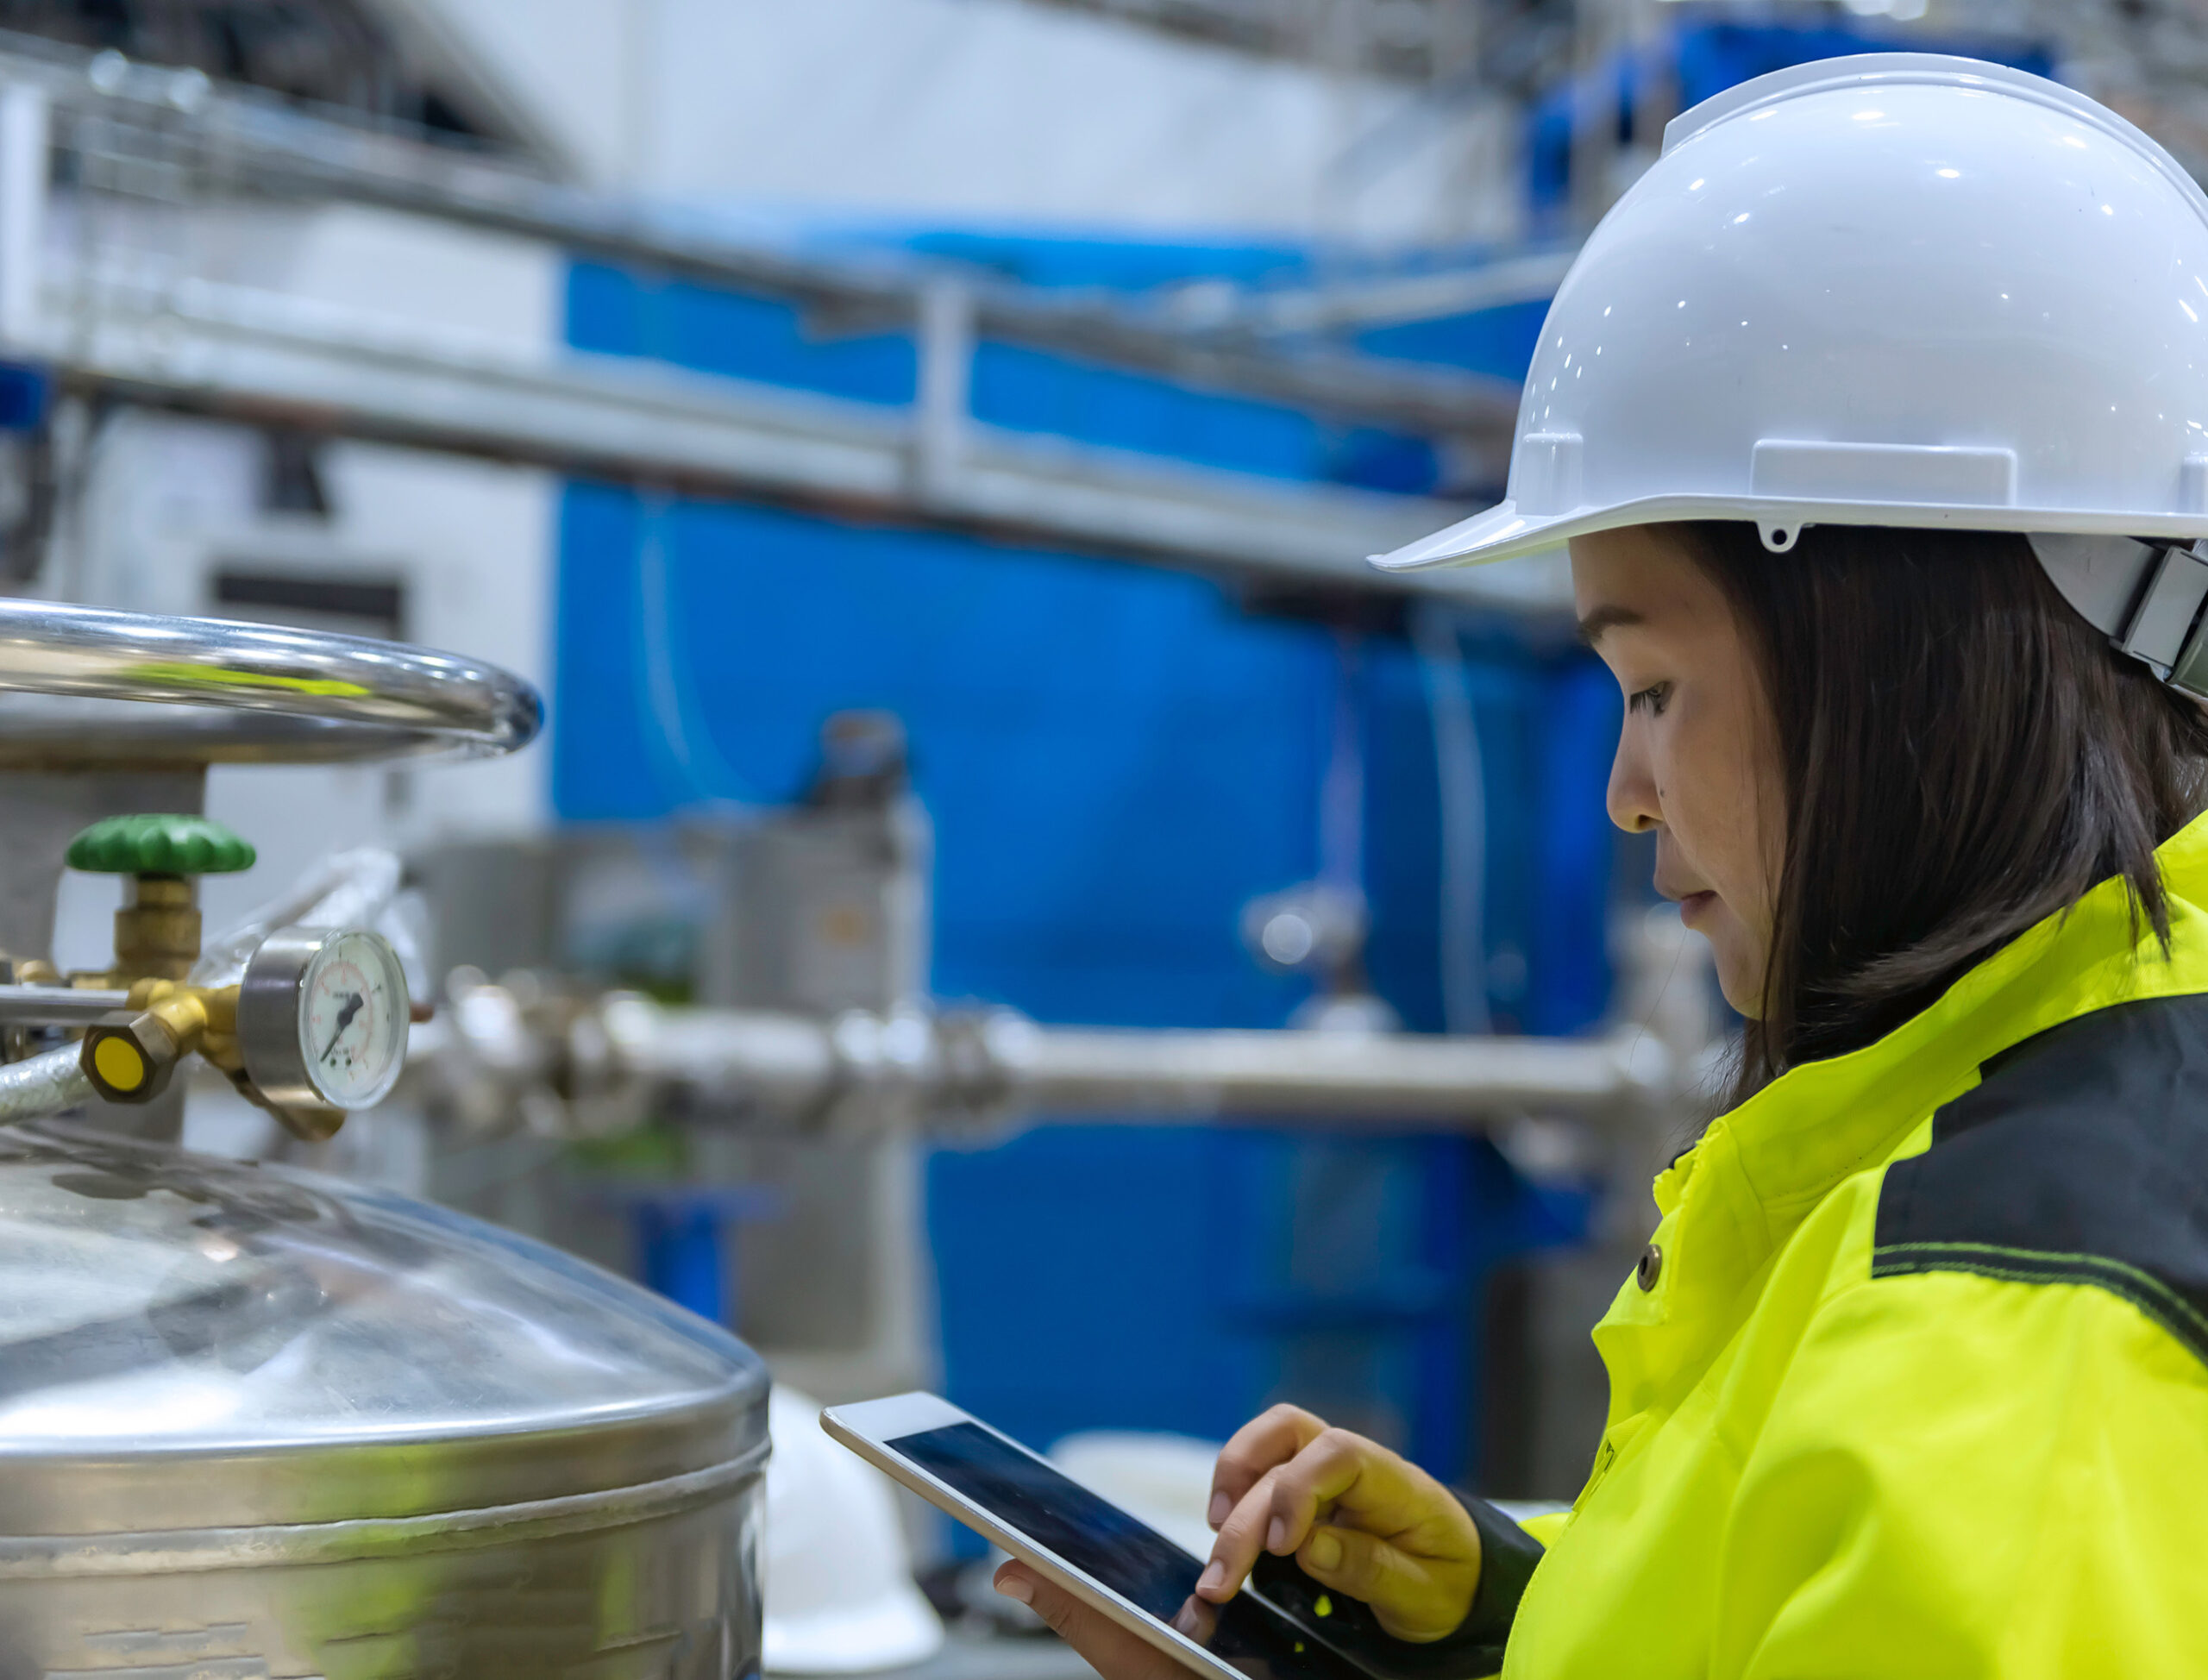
(1694, 904)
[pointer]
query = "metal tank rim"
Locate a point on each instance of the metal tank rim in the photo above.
(305, 696)
(267, 1545)
(361, 1408)
(256, 1486)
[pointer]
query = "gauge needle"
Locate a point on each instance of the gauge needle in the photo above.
(353, 1003)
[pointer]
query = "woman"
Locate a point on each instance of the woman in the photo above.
(1876, 420)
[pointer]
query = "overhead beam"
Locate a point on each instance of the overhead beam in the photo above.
(265, 358)
(238, 140)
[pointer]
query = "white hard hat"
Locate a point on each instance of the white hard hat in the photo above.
(1896, 290)
(839, 1592)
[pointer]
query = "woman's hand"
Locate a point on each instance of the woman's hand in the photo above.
(1105, 1645)
(1355, 1517)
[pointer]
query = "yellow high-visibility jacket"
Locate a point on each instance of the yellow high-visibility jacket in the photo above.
(1918, 1389)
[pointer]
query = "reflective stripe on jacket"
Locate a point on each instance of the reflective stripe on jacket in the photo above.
(1920, 1386)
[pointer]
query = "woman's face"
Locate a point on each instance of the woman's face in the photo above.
(1698, 756)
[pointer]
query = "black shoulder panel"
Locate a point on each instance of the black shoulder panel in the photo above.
(2080, 1157)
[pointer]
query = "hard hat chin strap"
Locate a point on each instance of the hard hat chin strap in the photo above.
(2146, 596)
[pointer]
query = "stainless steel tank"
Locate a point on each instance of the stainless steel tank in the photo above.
(260, 1425)
(257, 1422)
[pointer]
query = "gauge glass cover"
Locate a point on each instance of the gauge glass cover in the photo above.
(353, 1019)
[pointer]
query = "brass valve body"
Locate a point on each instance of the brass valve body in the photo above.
(156, 929)
(133, 1062)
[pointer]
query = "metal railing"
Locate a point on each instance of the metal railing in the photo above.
(137, 153)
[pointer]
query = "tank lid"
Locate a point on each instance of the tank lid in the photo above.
(187, 1342)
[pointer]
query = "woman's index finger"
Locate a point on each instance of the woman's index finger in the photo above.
(1269, 1439)
(1241, 1538)
(1333, 1469)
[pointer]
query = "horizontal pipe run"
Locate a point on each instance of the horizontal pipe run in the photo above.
(921, 1067)
(786, 1064)
(1195, 1075)
(235, 140)
(260, 358)
(59, 1006)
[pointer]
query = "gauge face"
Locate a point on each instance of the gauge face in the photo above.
(353, 1015)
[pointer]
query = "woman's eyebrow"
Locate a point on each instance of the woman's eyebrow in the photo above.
(1602, 619)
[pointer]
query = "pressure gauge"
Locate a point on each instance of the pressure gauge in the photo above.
(321, 1017)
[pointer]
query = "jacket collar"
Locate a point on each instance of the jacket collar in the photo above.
(1740, 1192)
(1817, 1124)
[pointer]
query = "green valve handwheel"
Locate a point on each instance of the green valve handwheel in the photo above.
(160, 845)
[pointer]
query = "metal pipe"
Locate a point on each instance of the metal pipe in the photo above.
(43, 1085)
(870, 1072)
(59, 1006)
(782, 1063)
(257, 357)
(400, 697)
(241, 140)
(1318, 1076)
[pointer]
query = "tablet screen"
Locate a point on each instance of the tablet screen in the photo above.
(1104, 1543)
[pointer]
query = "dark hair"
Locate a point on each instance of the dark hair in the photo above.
(1964, 756)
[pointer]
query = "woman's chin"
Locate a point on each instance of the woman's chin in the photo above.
(1739, 963)
(1746, 1001)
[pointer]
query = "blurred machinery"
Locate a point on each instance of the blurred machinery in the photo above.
(257, 1421)
(806, 1047)
(235, 378)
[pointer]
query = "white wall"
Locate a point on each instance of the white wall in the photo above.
(171, 501)
(504, 291)
(979, 111)
(991, 112)
(174, 499)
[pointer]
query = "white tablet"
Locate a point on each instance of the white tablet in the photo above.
(1129, 1571)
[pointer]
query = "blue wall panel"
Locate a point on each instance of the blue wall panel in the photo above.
(1016, 387)
(1112, 265)
(1116, 759)
(713, 331)
(1498, 341)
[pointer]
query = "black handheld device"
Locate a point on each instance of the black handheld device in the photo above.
(1283, 1627)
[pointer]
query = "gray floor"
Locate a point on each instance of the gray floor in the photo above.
(970, 1656)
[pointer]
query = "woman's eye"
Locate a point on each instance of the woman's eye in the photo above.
(1651, 699)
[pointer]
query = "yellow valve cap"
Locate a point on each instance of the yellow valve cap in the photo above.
(120, 1063)
(130, 1064)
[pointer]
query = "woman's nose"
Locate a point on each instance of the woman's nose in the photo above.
(1631, 797)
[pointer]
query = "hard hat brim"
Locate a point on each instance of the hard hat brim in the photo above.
(1502, 532)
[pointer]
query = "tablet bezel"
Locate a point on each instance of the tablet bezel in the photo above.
(867, 1427)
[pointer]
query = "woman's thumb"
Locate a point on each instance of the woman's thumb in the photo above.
(1410, 1597)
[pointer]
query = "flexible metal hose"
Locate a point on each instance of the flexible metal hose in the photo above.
(44, 1085)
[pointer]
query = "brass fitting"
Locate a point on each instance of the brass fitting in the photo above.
(156, 929)
(135, 1061)
(310, 1124)
(132, 1062)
